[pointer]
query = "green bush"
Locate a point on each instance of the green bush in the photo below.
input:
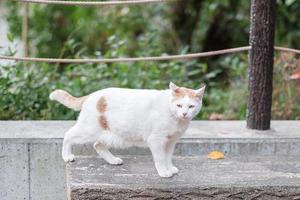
(133, 31)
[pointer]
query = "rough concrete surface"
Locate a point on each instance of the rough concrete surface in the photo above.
(231, 137)
(197, 129)
(31, 171)
(265, 177)
(14, 170)
(32, 167)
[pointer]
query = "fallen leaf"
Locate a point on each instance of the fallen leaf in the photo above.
(215, 155)
(216, 116)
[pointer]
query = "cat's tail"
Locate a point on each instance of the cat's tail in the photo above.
(68, 100)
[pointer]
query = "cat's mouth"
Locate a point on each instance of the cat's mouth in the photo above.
(184, 117)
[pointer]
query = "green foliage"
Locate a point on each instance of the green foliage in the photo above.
(79, 32)
(286, 93)
(25, 89)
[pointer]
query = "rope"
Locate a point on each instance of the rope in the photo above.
(94, 3)
(290, 50)
(150, 58)
(110, 60)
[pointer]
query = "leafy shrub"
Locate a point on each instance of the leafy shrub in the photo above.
(74, 32)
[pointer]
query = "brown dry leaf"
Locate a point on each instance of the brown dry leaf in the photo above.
(216, 116)
(215, 155)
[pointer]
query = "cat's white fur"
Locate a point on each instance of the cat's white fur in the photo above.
(153, 118)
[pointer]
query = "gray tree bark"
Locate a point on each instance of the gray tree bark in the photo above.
(261, 64)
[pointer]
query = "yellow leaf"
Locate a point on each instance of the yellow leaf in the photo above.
(215, 155)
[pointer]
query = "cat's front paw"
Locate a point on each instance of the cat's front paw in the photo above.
(174, 170)
(116, 161)
(165, 174)
(69, 158)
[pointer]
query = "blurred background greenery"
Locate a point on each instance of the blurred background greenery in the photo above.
(144, 30)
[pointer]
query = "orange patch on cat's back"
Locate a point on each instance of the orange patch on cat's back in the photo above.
(182, 92)
(101, 105)
(103, 122)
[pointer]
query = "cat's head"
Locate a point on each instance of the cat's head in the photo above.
(185, 103)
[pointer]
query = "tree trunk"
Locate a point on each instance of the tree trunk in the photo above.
(186, 14)
(261, 64)
(25, 29)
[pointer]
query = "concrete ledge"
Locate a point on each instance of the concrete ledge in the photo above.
(30, 151)
(199, 178)
(259, 193)
(32, 130)
(231, 137)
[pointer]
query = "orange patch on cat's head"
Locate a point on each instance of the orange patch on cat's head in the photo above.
(101, 105)
(181, 92)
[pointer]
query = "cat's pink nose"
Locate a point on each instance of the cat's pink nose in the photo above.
(184, 114)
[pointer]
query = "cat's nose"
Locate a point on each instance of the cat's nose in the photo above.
(184, 114)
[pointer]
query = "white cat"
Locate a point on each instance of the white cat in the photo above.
(116, 117)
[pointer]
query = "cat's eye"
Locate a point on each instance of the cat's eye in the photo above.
(191, 106)
(179, 106)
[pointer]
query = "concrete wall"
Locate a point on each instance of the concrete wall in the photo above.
(32, 167)
(30, 161)
(31, 171)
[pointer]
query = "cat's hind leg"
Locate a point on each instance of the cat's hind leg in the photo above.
(68, 142)
(103, 151)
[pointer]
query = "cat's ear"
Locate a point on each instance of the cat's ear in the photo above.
(200, 92)
(174, 88)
